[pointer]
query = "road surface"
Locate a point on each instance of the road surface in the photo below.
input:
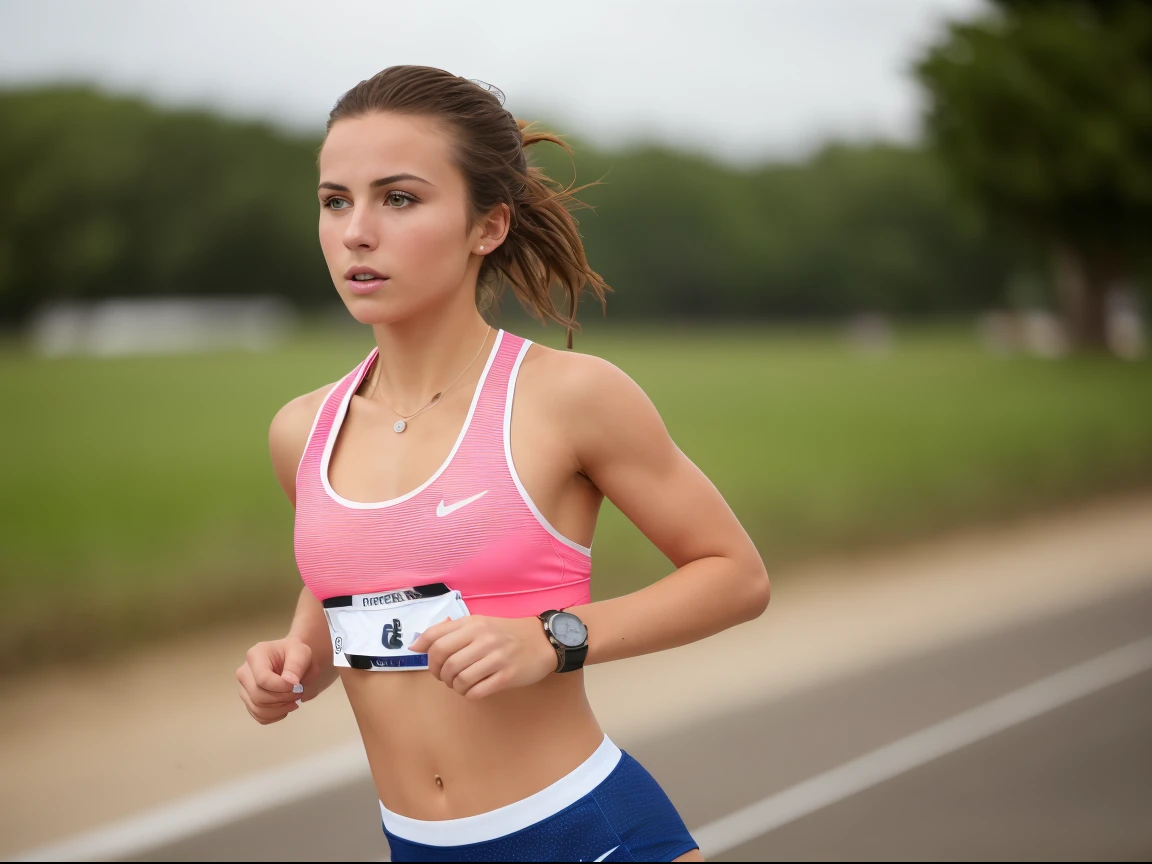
(1033, 742)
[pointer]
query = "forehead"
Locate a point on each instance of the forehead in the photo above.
(361, 149)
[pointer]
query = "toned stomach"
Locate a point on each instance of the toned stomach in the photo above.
(435, 755)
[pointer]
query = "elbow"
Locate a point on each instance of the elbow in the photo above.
(759, 591)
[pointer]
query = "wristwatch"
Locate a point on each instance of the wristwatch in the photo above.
(568, 636)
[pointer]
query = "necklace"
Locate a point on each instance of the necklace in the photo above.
(402, 424)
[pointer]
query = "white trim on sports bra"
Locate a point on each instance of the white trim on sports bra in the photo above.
(514, 817)
(316, 420)
(547, 526)
(338, 421)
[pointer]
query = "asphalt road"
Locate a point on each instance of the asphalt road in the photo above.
(1072, 783)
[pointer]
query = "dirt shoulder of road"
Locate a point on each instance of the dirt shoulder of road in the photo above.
(84, 745)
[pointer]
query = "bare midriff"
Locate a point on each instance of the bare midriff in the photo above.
(436, 755)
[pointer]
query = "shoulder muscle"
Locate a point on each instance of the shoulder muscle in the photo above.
(605, 414)
(288, 436)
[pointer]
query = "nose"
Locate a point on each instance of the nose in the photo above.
(360, 230)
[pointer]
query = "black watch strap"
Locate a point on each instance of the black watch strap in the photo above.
(573, 658)
(567, 659)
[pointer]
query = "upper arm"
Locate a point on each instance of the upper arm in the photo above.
(288, 437)
(622, 445)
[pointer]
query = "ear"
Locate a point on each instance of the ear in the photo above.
(491, 230)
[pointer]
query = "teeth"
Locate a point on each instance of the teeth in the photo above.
(364, 277)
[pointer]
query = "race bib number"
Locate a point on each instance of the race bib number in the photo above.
(373, 631)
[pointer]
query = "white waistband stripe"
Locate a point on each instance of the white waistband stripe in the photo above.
(515, 817)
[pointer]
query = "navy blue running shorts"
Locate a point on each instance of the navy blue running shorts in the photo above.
(608, 809)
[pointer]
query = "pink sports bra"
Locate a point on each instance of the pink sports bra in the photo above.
(471, 526)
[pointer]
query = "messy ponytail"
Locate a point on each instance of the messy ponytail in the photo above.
(543, 246)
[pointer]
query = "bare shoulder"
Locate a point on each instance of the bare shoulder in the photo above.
(288, 436)
(594, 401)
(571, 378)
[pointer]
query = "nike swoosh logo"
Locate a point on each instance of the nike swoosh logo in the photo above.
(443, 510)
(609, 852)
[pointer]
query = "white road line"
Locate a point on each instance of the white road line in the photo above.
(212, 808)
(232, 802)
(922, 747)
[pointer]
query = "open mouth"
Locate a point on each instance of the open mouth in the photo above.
(362, 280)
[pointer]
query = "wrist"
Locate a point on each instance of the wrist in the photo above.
(567, 635)
(314, 645)
(543, 654)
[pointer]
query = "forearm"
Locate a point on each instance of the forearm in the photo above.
(701, 598)
(311, 627)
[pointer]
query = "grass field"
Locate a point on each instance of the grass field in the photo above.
(133, 484)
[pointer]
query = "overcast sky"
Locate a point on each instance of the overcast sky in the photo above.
(741, 80)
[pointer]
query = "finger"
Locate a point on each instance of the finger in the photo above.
(477, 672)
(297, 662)
(244, 676)
(494, 683)
(462, 659)
(425, 639)
(247, 700)
(429, 636)
(258, 695)
(268, 698)
(446, 646)
(263, 660)
(263, 713)
(273, 715)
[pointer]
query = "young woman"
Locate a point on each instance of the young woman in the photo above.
(446, 492)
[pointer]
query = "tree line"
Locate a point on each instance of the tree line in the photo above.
(1035, 154)
(110, 196)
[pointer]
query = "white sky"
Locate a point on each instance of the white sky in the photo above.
(741, 80)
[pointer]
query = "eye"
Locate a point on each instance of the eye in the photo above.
(398, 200)
(331, 203)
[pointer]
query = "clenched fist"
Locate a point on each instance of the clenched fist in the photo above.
(276, 677)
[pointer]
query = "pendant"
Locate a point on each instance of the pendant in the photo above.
(399, 426)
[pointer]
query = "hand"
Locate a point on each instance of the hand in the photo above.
(275, 676)
(477, 656)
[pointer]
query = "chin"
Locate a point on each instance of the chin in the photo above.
(377, 308)
(393, 304)
(368, 310)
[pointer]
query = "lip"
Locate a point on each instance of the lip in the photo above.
(364, 286)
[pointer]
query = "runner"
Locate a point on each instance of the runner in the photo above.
(446, 492)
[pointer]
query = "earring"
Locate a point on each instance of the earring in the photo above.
(481, 248)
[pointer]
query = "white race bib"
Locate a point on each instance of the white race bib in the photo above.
(373, 631)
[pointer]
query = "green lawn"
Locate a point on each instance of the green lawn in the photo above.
(145, 483)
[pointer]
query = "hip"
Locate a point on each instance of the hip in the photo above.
(606, 809)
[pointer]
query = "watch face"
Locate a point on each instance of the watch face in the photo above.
(568, 629)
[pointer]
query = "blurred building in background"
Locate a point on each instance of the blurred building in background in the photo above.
(115, 327)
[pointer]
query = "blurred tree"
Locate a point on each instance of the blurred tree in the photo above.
(862, 227)
(1042, 112)
(110, 196)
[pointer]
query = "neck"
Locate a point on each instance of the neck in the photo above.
(419, 357)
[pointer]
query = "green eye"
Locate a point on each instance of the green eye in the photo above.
(332, 202)
(397, 200)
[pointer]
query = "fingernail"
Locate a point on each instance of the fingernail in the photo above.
(299, 701)
(297, 688)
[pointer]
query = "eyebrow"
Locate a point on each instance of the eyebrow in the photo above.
(376, 184)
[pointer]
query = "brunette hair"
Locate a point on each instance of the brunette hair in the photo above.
(543, 245)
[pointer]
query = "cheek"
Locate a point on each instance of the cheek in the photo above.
(429, 246)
